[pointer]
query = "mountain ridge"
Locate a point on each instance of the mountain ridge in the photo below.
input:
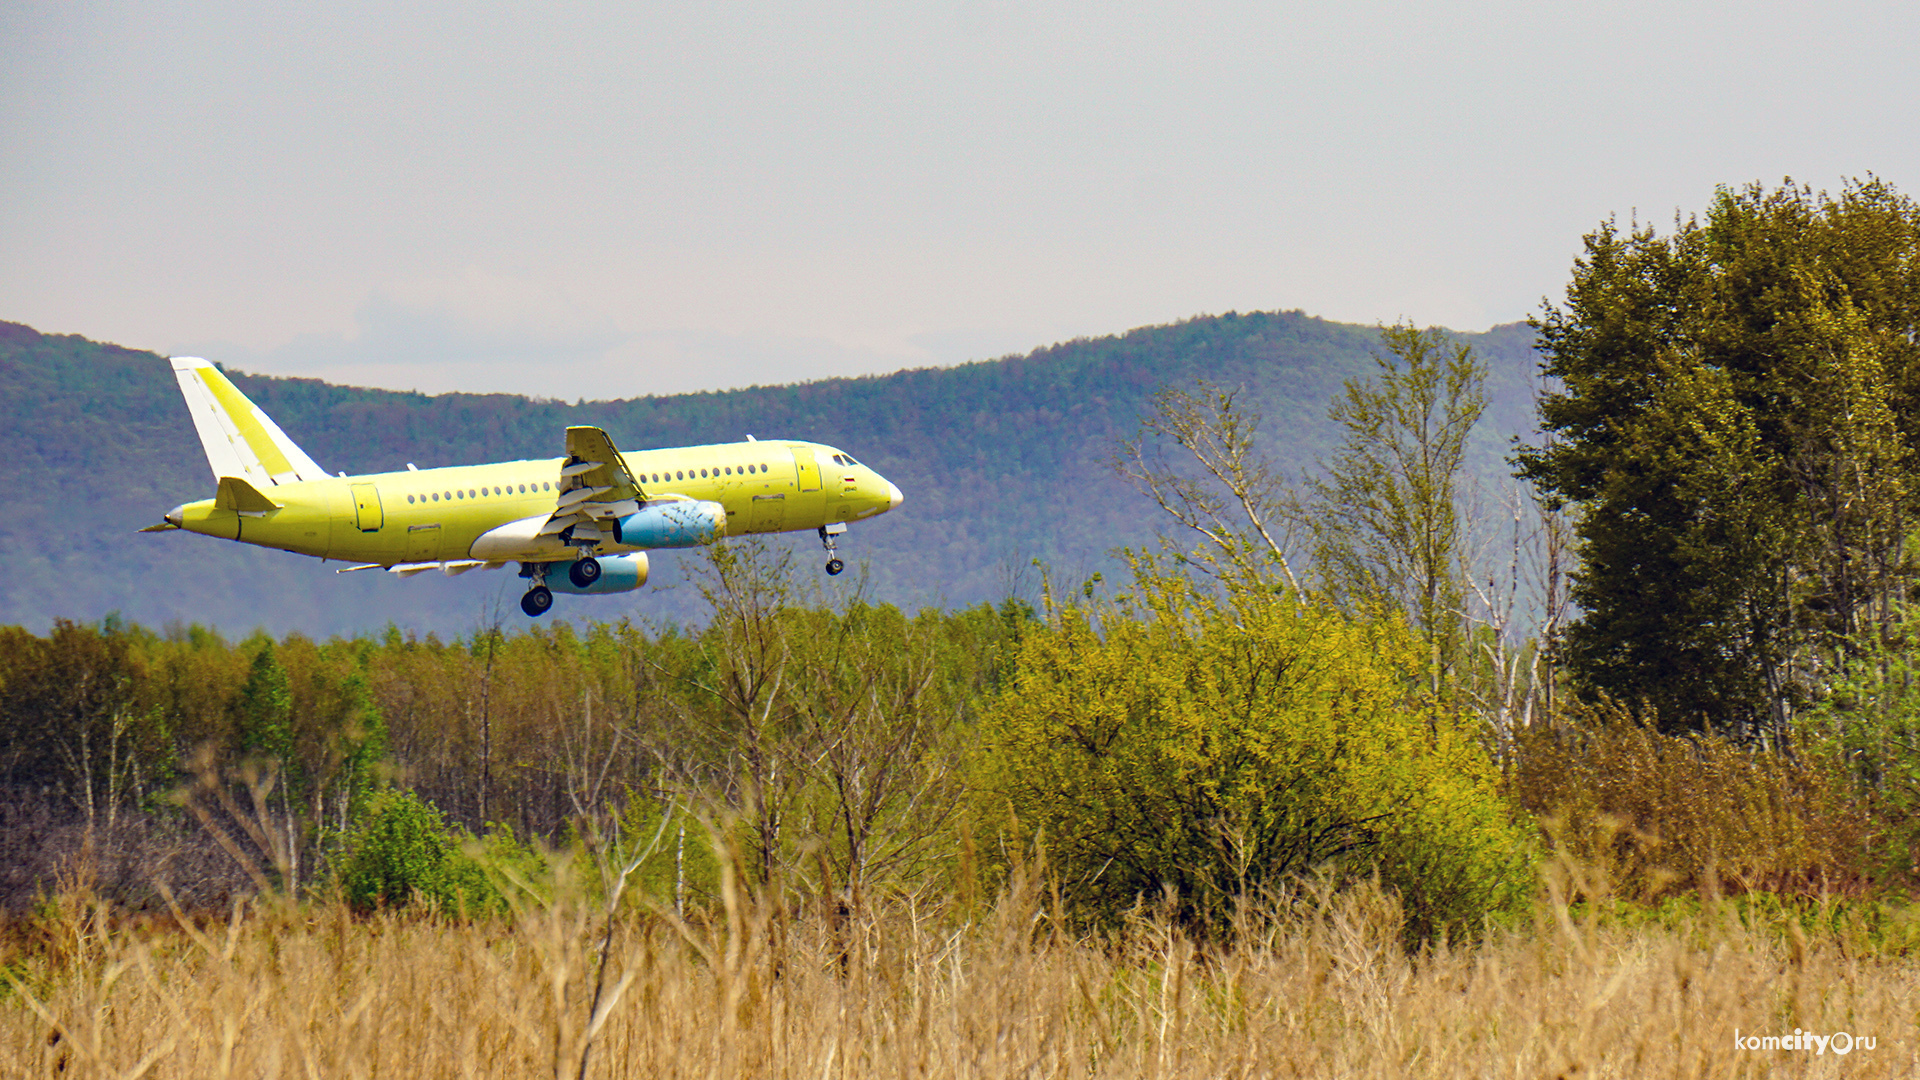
(1002, 460)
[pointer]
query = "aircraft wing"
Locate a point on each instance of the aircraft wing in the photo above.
(595, 485)
(592, 462)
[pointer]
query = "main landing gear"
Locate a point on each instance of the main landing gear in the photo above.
(827, 533)
(584, 571)
(538, 598)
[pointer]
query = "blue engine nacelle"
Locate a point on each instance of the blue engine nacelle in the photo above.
(671, 525)
(618, 573)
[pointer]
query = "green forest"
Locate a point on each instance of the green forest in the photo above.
(1681, 656)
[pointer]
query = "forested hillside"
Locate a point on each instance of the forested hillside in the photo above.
(1002, 461)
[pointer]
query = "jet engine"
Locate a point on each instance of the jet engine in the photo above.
(618, 573)
(676, 524)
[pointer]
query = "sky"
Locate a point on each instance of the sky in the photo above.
(603, 200)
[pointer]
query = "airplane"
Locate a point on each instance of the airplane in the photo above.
(581, 523)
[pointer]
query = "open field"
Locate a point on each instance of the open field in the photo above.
(1326, 990)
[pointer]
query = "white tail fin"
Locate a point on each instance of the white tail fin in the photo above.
(240, 440)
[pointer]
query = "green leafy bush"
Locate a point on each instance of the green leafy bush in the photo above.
(402, 852)
(1215, 751)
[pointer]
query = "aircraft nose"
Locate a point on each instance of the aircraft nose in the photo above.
(176, 515)
(894, 496)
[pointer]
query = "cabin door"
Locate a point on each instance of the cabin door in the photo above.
(366, 507)
(808, 468)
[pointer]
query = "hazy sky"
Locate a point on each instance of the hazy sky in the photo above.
(608, 199)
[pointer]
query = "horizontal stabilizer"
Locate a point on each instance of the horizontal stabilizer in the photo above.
(237, 494)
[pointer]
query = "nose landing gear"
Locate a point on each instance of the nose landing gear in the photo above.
(827, 533)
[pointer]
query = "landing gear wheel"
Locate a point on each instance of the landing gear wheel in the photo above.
(537, 601)
(827, 533)
(584, 572)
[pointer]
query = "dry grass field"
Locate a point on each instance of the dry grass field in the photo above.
(1324, 989)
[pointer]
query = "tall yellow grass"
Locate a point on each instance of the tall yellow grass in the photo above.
(1320, 989)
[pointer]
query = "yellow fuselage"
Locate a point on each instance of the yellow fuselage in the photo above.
(430, 515)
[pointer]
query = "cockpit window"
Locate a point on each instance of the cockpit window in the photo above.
(849, 459)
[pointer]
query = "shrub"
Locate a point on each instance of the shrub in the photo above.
(1216, 751)
(402, 851)
(1865, 733)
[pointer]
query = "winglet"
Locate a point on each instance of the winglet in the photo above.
(237, 494)
(240, 440)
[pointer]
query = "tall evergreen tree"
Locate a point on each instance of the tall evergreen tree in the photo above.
(266, 709)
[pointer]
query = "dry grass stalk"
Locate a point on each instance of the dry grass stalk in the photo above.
(1321, 989)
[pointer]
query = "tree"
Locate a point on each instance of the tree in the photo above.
(1239, 509)
(73, 715)
(823, 732)
(266, 710)
(1739, 407)
(1385, 517)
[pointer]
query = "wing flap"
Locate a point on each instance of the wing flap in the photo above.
(449, 567)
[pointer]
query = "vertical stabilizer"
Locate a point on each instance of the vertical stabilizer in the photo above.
(240, 440)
